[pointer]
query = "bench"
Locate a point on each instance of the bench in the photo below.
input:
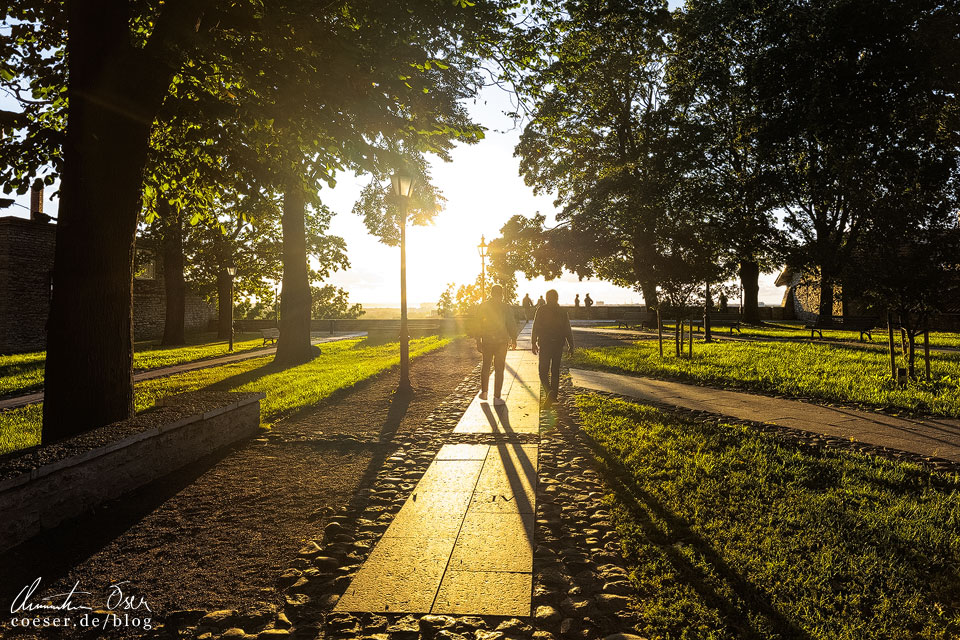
(390, 331)
(270, 335)
(729, 319)
(863, 325)
(632, 319)
(720, 319)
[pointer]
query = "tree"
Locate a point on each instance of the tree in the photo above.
(119, 61)
(907, 264)
(446, 305)
(248, 234)
(116, 65)
(469, 297)
(910, 276)
(716, 42)
(366, 88)
(333, 302)
(852, 94)
(599, 136)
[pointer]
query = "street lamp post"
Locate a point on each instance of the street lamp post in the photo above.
(231, 271)
(482, 250)
(402, 185)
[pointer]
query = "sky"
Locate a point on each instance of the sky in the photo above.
(483, 189)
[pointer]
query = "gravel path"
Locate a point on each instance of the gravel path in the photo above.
(216, 534)
(580, 586)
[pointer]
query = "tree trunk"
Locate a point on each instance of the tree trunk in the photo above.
(750, 281)
(912, 359)
(643, 257)
(649, 291)
(926, 352)
(677, 336)
(707, 307)
(224, 303)
(173, 283)
(114, 96)
(826, 301)
(294, 347)
(893, 353)
(660, 332)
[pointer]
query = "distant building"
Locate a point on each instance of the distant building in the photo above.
(801, 301)
(26, 283)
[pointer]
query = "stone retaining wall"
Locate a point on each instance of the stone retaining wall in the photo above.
(42, 486)
(447, 326)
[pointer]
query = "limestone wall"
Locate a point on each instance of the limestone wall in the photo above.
(26, 267)
(26, 263)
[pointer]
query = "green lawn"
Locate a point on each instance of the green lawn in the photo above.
(340, 365)
(793, 330)
(24, 371)
(815, 370)
(732, 533)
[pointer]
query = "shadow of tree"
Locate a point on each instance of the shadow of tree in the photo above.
(398, 409)
(646, 509)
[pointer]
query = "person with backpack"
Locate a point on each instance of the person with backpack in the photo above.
(551, 330)
(497, 331)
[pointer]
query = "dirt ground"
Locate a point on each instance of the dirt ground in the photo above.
(216, 534)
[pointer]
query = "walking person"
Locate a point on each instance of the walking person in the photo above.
(587, 301)
(576, 301)
(551, 330)
(496, 332)
(527, 307)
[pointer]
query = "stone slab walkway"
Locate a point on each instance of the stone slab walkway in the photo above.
(934, 437)
(21, 401)
(463, 542)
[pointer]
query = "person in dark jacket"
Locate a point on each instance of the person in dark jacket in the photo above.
(527, 308)
(551, 331)
(497, 332)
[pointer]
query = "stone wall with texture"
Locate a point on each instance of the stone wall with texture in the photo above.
(42, 486)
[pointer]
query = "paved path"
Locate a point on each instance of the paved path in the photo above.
(463, 542)
(937, 437)
(21, 401)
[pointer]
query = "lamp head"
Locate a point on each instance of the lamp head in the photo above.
(401, 184)
(231, 270)
(482, 247)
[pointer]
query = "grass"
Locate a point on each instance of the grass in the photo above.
(792, 330)
(732, 533)
(803, 369)
(24, 371)
(340, 365)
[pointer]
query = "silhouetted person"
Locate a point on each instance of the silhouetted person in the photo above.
(723, 302)
(587, 301)
(576, 300)
(527, 307)
(540, 302)
(497, 331)
(551, 330)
